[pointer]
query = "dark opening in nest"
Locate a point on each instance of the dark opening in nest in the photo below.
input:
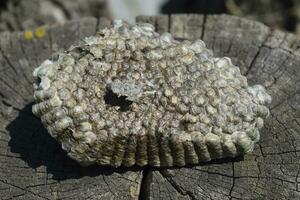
(113, 99)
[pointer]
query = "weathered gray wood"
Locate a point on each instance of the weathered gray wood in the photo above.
(267, 57)
(33, 166)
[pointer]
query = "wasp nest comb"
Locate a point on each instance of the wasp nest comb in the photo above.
(131, 96)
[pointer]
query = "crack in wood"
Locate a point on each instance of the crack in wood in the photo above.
(145, 185)
(203, 27)
(258, 52)
(169, 22)
(233, 182)
(24, 189)
(176, 186)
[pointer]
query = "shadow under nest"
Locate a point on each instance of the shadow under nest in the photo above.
(37, 148)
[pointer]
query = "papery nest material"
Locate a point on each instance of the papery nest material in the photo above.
(130, 96)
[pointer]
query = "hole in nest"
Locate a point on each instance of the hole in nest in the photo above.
(183, 125)
(39, 80)
(113, 99)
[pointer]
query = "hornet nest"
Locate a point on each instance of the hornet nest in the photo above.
(130, 96)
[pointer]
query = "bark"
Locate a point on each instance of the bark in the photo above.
(33, 166)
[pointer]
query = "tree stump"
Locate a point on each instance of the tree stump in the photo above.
(33, 166)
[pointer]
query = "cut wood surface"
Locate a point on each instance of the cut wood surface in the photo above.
(33, 166)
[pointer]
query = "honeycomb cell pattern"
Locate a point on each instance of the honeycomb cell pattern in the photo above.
(130, 96)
